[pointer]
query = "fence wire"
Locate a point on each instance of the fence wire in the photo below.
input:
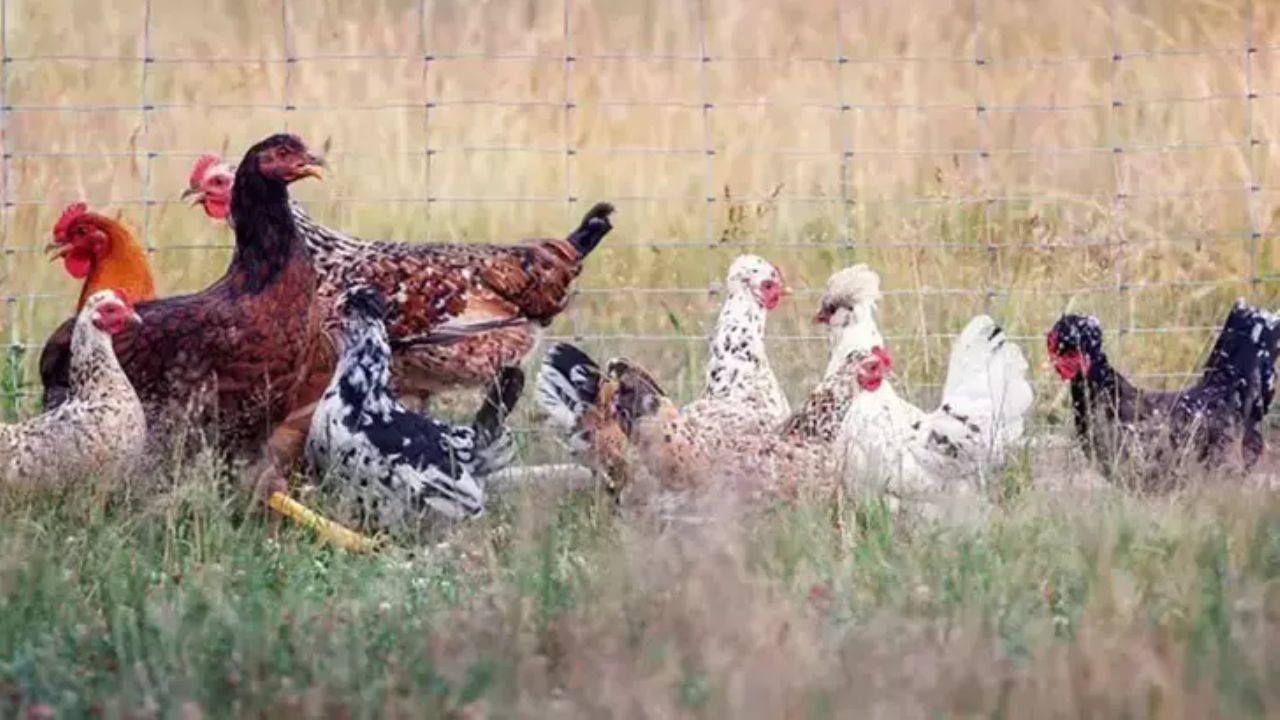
(1015, 228)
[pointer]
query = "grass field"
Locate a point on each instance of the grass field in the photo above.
(154, 601)
(1109, 171)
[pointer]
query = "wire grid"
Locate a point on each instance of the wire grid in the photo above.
(848, 154)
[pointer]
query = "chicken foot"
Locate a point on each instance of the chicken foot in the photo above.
(284, 450)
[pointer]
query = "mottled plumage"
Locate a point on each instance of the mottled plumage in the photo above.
(394, 468)
(1151, 437)
(99, 428)
(741, 392)
(622, 421)
(513, 290)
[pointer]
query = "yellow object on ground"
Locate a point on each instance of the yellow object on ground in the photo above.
(328, 530)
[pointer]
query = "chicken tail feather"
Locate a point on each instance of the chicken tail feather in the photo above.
(1244, 357)
(568, 385)
(595, 225)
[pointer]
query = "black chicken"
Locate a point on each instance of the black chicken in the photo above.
(1153, 435)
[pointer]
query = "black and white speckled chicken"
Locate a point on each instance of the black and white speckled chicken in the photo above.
(99, 428)
(393, 468)
(1152, 437)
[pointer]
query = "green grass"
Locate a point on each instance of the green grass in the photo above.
(167, 599)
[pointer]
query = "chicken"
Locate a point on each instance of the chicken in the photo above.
(1152, 438)
(99, 428)
(693, 458)
(741, 391)
(233, 358)
(102, 252)
(984, 401)
(515, 290)
(393, 467)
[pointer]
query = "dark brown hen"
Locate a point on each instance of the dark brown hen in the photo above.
(237, 357)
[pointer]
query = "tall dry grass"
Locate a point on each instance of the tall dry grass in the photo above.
(1022, 209)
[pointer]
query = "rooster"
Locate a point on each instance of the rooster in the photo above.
(235, 356)
(100, 426)
(984, 400)
(741, 392)
(513, 290)
(102, 252)
(392, 466)
(1156, 435)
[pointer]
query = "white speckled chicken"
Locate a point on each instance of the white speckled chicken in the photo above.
(984, 401)
(100, 428)
(510, 291)
(741, 390)
(394, 468)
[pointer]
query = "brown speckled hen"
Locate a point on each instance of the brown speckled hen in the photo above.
(511, 292)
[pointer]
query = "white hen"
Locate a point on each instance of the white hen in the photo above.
(984, 401)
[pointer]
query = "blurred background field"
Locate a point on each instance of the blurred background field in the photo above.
(1114, 157)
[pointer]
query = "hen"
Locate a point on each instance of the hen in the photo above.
(234, 357)
(100, 427)
(393, 467)
(984, 400)
(741, 392)
(692, 458)
(1156, 435)
(516, 290)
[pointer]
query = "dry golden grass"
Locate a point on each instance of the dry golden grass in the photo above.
(908, 197)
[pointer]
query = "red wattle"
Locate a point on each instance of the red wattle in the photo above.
(78, 264)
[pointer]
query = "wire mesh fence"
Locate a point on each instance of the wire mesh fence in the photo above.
(1112, 157)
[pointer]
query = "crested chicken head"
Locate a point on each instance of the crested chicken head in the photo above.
(210, 186)
(111, 311)
(283, 158)
(79, 240)
(847, 290)
(759, 277)
(1074, 345)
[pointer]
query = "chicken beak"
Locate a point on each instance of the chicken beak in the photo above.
(135, 318)
(192, 195)
(314, 167)
(56, 251)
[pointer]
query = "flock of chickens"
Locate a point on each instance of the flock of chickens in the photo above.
(319, 350)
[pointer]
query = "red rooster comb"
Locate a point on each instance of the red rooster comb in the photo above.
(73, 212)
(202, 166)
